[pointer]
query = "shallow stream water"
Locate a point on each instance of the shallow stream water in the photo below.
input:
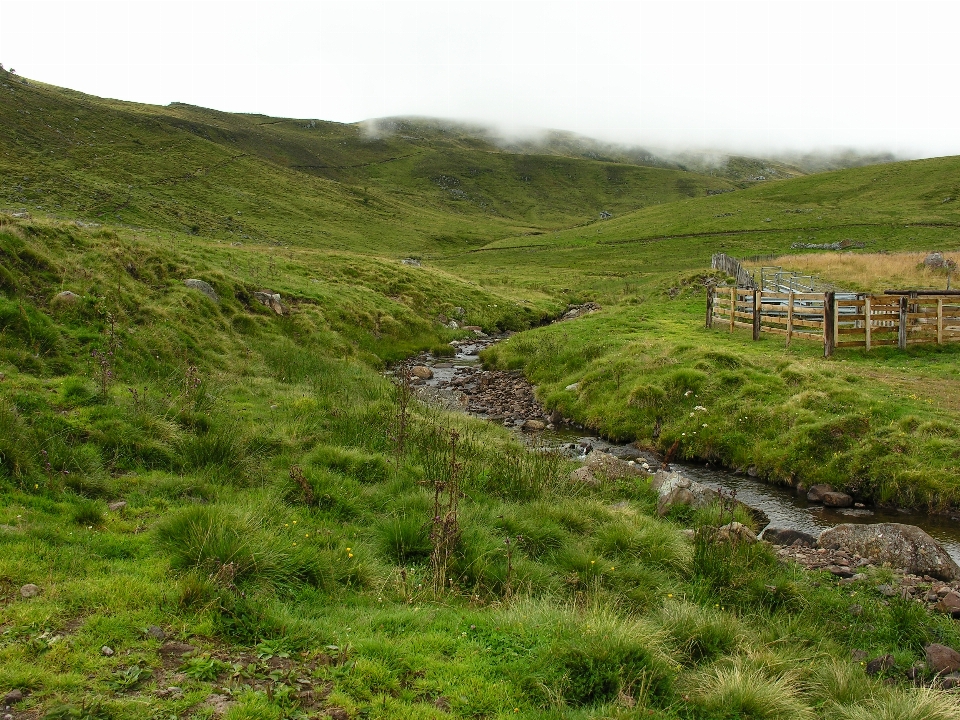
(781, 504)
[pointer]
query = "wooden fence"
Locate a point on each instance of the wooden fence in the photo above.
(839, 320)
(731, 266)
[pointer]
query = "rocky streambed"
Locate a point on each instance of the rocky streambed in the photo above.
(794, 523)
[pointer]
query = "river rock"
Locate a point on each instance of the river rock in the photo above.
(836, 499)
(816, 493)
(664, 482)
(533, 425)
(786, 536)
(421, 371)
(906, 547)
(203, 287)
(942, 659)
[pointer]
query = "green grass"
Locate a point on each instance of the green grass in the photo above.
(271, 521)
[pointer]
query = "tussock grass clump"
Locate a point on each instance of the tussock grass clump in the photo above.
(234, 546)
(903, 704)
(405, 539)
(731, 692)
(699, 634)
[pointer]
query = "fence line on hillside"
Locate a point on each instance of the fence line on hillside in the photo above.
(839, 320)
(732, 266)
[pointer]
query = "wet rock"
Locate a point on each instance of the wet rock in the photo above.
(880, 664)
(66, 298)
(836, 499)
(816, 493)
(665, 481)
(422, 372)
(941, 658)
(533, 425)
(905, 547)
(785, 536)
(29, 590)
(203, 287)
(626, 453)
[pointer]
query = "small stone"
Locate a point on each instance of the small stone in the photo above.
(858, 655)
(839, 571)
(886, 590)
(422, 372)
(856, 610)
(942, 659)
(572, 387)
(117, 506)
(12, 697)
(156, 632)
(736, 531)
(533, 425)
(106, 651)
(879, 664)
(836, 499)
(29, 590)
(950, 681)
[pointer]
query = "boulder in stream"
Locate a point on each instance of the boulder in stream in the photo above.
(816, 493)
(905, 547)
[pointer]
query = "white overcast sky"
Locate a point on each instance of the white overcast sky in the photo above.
(756, 76)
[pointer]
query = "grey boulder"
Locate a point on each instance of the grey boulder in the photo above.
(203, 287)
(786, 536)
(905, 547)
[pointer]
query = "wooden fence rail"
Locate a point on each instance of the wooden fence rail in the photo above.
(865, 321)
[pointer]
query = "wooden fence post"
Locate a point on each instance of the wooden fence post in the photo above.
(790, 300)
(902, 330)
(733, 307)
(757, 302)
(939, 321)
(829, 329)
(710, 306)
(868, 321)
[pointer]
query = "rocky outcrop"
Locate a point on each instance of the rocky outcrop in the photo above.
(575, 311)
(271, 300)
(905, 547)
(816, 493)
(203, 287)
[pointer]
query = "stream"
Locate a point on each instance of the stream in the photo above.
(452, 386)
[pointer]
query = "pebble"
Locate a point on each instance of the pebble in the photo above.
(106, 651)
(156, 632)
(29, 590)
(14, 696)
